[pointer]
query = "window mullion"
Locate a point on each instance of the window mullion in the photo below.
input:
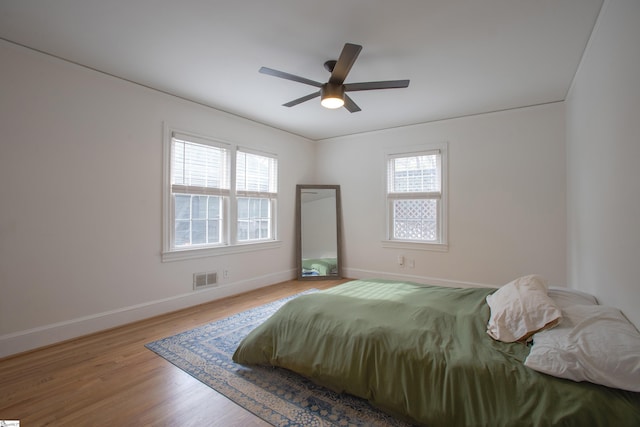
(262, 194)
(203, 191)
(232, 209)
(405, 196)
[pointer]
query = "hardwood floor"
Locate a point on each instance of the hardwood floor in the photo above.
(110, 378)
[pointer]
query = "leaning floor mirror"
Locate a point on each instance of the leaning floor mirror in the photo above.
(319, 237)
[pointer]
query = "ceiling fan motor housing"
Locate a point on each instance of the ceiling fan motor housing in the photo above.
(330, 90)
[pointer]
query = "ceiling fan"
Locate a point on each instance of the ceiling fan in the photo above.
(332, 93)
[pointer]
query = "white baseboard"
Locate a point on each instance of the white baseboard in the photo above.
(356, 273)
(19, 342)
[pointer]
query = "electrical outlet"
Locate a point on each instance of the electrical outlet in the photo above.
(225, 274)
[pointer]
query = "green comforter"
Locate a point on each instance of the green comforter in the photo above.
(421, 352)
(323, 266)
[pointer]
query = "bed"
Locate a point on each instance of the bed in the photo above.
(319, 266)
(423, 354)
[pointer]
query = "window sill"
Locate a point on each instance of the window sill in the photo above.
(421, 246)
(186, 254)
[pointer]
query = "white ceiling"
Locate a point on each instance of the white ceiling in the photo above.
(463, 57)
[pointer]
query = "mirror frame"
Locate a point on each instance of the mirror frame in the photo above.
(299, 189)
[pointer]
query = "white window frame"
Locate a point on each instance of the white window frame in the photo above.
(442, 244)
(230, 243)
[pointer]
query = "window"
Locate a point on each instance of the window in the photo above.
(219, 196)
(256, 188)
(200, 184)
(415, 197)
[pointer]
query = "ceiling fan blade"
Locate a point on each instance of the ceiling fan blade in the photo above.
(350, 105)
(346, 60)
(302, 99)
(389, 84)
(287, 76)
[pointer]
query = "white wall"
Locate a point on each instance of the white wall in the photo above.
(603, 151)
(506, 198)
(80, 222)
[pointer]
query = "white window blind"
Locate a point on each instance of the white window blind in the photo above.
(420, 173)
(256, 174)
(199, 168)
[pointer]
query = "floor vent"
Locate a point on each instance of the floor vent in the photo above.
(204, 280)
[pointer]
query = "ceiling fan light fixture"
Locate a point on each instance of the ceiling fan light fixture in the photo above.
(332, 103)
(332, 96)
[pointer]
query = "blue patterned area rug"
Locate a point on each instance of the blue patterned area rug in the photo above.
(278, 396)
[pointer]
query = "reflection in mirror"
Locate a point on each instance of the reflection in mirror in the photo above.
(318, 232)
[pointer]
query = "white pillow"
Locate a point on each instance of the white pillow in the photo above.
(521, 308)
(593, 343)
(564, 297)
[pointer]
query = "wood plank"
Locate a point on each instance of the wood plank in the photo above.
(110, 378)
